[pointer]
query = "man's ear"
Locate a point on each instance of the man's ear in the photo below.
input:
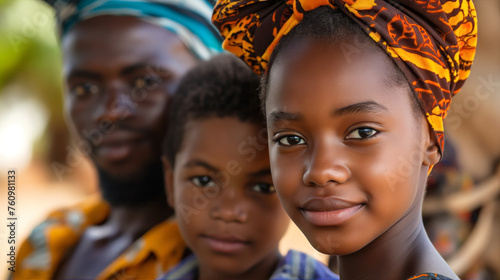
(169, 180)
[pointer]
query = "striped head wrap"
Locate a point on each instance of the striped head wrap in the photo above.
(188, 19)
(433, 42)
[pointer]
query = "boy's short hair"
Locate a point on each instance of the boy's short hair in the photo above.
(224, 86)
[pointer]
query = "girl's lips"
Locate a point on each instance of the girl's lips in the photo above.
(329, 211)
(330, 218)
(225, 245)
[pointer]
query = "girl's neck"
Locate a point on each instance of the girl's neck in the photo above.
(402, 251)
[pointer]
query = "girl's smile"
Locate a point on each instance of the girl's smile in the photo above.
(329, 211)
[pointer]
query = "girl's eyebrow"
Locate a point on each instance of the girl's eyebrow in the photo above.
(362, 107)
(281, 116)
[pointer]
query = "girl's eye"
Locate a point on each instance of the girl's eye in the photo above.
(145, 82)
(291, 140)
(203, 181)
(263, 188)
(362, 133)
(85, 89)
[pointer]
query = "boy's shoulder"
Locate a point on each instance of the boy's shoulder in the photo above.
(429, 276)
(295, 265)
(187, 269)
(298, 265)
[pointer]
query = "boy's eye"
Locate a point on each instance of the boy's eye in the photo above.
(203, 181)
(362, 133)
(84, 89)
(263, 188)
(145, 82)
(291, 140)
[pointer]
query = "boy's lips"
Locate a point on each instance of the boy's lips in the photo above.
(329, 211)
(228, 244)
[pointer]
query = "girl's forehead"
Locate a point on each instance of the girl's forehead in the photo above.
(319, 78)
(311, 64)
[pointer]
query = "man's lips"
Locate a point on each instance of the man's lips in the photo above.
(118, 146)
(329, 211)
(228, 244)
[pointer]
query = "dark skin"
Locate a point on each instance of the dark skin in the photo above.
(235, 230)
(120, 73)
(337, 147)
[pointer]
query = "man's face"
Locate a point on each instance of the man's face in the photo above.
(120, 73)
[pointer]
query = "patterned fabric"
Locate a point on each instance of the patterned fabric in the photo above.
(189, 19)
(429, 276)
(150, 256)
(295, 265)
(432, 42)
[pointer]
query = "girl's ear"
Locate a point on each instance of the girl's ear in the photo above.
(432, 154)
(169, 180)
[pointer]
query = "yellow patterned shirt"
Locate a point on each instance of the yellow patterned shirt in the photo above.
(149, 257)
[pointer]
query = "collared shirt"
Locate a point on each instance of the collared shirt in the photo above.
(148, 257)
(295, 265)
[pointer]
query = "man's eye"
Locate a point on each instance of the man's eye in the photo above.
(291, 140)
(203, 181)
(85, 89)
(146, 82)
(263, 188)
(362, 133)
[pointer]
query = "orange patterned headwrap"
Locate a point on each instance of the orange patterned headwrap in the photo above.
(433, 42)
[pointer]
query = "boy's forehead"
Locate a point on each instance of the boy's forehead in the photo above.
(223, 140)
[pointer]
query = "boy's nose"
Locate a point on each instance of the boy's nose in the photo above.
(117, 103)
(229, 206)
(325, 166)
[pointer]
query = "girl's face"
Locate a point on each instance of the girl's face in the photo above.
(349, 158)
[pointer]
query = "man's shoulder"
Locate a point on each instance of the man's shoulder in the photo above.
(47, 243)
(90, 211)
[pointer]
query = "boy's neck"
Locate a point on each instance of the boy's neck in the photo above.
(262, 270)
(402, 251)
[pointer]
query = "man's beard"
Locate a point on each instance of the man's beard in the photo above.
(148, 185)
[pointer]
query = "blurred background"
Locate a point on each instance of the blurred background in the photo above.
(461, 211)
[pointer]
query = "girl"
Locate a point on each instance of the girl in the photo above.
(348, 88)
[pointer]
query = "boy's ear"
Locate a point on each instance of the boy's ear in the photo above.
(169, 180)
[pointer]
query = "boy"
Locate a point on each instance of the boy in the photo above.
(219, 182)
(348, 86)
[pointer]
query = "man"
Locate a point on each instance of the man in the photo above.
(122, 61)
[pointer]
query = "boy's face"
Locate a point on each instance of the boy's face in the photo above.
(224, 198)
(119, 73)
(349, 158)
